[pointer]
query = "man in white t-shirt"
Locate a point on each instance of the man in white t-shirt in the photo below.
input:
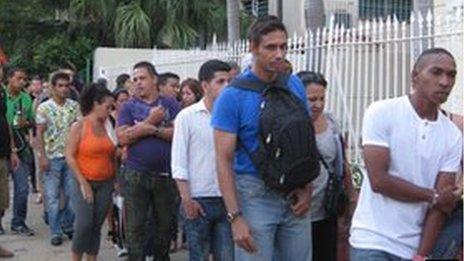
(412, 152)
(193, 164)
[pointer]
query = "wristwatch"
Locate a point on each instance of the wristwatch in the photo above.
(231, 216)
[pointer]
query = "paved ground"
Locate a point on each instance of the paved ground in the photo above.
(38, 248)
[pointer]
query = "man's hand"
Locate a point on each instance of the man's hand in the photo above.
(140, 129)
(192, 208)
(446, 200)
(242, 235)
(22, 123)
(419, 258)
(156, 115)
(14, 161)
(302, 200)
(44, 163)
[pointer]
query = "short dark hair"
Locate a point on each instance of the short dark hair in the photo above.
(163, 77)
(209, 68)
(234, 65)
(59, 75)
(94, 92)
(121, 79)
(432, 51)
(308, 77)
(102, 81)
(36, 78)
(194, 86)
(120, 91)
(263, 26)
(10, 71)
(147, 66)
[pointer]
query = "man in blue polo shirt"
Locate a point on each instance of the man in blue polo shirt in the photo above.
(265, 224)
(145, 126)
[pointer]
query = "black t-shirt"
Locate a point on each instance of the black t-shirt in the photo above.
(4, 132)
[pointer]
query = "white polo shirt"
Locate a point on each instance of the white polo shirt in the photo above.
(192, 153)
(419, 149)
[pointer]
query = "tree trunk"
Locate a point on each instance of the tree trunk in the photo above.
(233, 20)
(202, 36)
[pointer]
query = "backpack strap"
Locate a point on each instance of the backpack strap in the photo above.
(259, 86)
(326, 166)
(339, 141)
(246, 84)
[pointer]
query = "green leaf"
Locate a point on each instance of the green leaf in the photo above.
(132, 26)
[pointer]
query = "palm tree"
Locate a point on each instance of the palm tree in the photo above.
(233, 20)
(206, 17)
(94, 17)
(144, 23)
(132, 26)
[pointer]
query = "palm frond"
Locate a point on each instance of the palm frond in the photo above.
(178, 34)
(132, 26)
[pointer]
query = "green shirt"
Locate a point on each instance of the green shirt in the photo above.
(23, 101)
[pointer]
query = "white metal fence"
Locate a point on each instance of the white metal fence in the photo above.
(369, 62)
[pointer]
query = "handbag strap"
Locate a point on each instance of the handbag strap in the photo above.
(326, 166)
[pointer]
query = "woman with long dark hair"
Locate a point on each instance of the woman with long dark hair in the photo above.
(190, 92)
(90, 152)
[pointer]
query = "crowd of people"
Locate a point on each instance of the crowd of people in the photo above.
(252, 171)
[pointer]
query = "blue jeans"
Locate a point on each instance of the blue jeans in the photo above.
(358, 254)
(449, 240)
(59, 177)
(21, 189)
(212, 228)
(276, 231)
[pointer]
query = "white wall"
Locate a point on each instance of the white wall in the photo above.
(293, 15)
(110, 62)
(454, 44)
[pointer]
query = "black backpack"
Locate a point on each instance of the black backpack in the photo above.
(287, 156)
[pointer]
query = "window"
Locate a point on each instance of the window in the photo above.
(370, 9)
(343, 18)
(256, 8)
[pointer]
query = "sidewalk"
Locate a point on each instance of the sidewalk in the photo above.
(38, 247)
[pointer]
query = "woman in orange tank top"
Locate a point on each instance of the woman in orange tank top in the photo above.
(90, 153)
